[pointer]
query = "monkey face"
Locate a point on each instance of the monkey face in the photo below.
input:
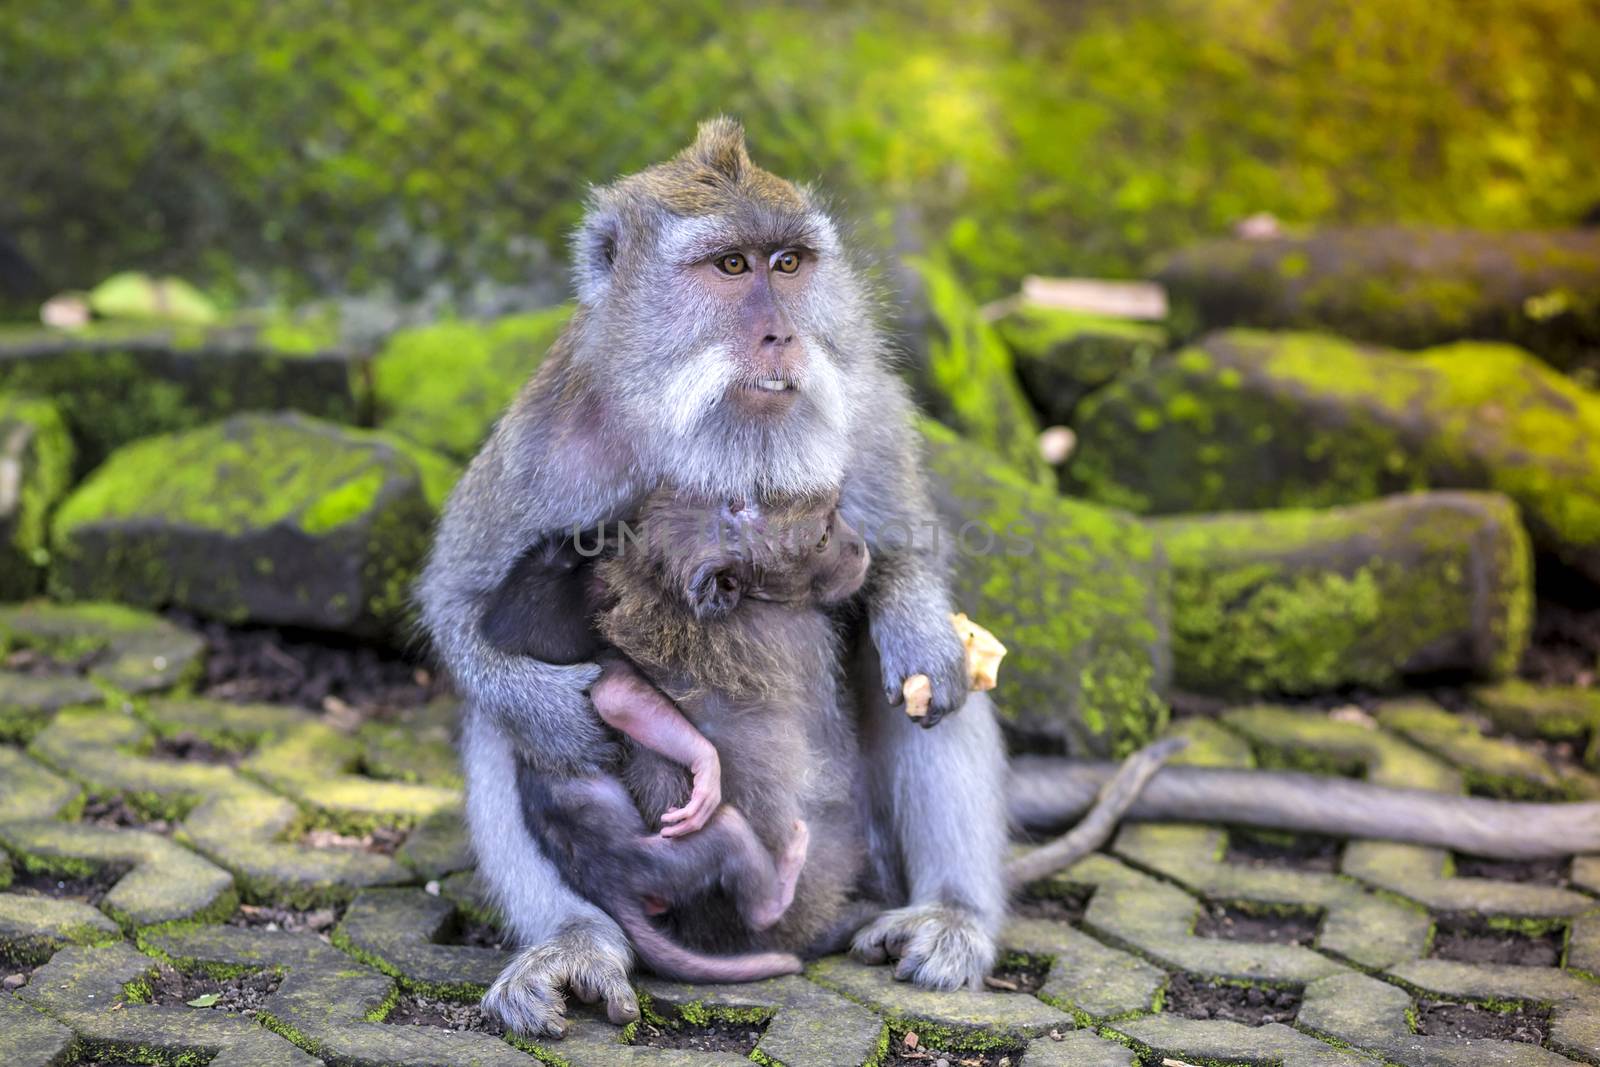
(722, 321)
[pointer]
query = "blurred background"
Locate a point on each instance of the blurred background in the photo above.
(271, 152)
(1280, 323)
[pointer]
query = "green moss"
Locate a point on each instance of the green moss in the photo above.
(968, 380)
(1302, 601)
(1062, 356)
(1410, 287)
(113, 386)
(444, 385)
(1075, 592)
(34, 437)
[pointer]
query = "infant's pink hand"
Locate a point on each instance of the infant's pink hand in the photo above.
(704, 799)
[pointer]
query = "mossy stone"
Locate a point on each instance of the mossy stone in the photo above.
(35, 473)
(279, 519)
(1247, 419)
(1405, 286)
(115, 383)
(1299, 601)
(1076, 593)
(1063, 356)
(967, 380)
(444, 385)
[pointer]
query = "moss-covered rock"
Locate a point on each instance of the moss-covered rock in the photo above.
(35, 469)
(444, 385)
(115, 383)
(279, 519)
(1307, 600)
(967, 380)
(1260, 420)
(1062, 356)
(1076, 592)
(1410, 287)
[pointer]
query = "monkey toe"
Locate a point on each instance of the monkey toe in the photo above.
(937, 947)
(587, 958)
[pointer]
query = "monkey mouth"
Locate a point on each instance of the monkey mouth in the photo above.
(774, 385)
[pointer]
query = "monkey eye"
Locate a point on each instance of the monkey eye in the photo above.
(787, 262)
(827, 535)
(733, 263)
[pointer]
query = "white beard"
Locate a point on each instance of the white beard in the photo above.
(708, 447)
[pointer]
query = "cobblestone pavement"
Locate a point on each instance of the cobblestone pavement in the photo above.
(192, 882)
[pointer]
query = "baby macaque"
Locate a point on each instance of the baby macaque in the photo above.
(720, 607)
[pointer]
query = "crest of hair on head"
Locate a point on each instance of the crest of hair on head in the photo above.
(719, 146)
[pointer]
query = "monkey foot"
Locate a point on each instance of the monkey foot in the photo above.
(938, 947)
(590, 959)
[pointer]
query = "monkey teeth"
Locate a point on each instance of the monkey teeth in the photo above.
(773, 385)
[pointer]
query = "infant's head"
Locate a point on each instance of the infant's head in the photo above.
(795, 550)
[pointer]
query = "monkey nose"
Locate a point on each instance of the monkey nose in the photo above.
(774, 339)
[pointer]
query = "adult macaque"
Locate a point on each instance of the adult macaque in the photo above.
(724, 344)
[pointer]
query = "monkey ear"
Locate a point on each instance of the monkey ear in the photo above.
(594, 254)
(714, 590)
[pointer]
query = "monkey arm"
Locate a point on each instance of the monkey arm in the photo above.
(908, 597)
(516, 491)
(629, 703)
(1047, 791)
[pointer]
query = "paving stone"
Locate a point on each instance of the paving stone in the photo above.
(1420, 875)
(99, 747)
(330, 1004)
(164, 882)
(235, 727)
(32, 928)
(1230, 1042)
(87, 990)
(808, 1024)
(1086, 978)
(29, 1038)
(414, 745)
(1373, 1015)
(131, 650)
(1574, 1003)
(32, 791)
(1077, 1049)
(1555, 712)
(315, 764)
(27, 702)
(244, 834)
(1493, 765)
(396, 931)
(1312, 741)
(1012, 1016)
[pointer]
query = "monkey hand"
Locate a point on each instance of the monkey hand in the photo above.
(929, 647)
(704, 798)
(589, 958)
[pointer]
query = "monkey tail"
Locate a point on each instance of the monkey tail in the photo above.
(669, 959)
(1113, 801)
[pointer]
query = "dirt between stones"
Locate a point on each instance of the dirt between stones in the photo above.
(243, 993)
(1225, 923)
(717, 1035)
(416, 1009)
(905, 1047)
(115, 813)
(1301, 852)
(264, 665)
(90, 888)
(1553, 872)
(1442, 1019)
(1194, 998)
(1470, 939)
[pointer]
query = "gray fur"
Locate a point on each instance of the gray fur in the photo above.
(583, 444)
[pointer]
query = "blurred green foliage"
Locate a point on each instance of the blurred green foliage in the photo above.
(314, 145)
